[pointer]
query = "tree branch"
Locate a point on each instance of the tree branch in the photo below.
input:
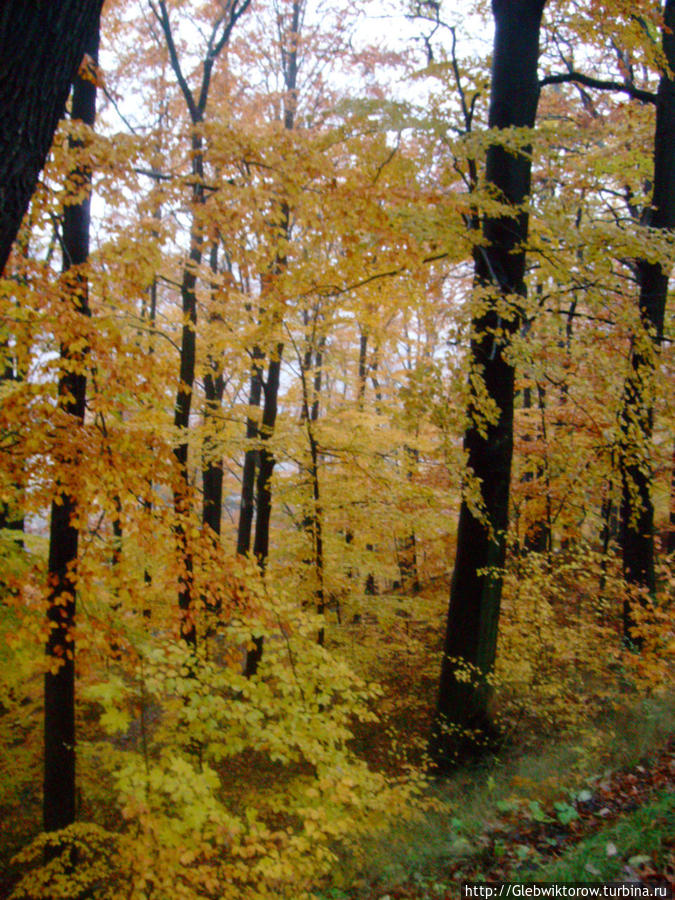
(235, 10)
(162, 17)
(600, 84)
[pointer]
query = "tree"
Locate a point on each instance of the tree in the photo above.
(259, 464)
(634, 456)
(499, 266)
(221, 30)
(41, 47)
(59, 704)
(637, 527)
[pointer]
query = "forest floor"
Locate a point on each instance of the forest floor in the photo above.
(615, 826)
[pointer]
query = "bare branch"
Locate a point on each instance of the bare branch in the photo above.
(162, 17)
(235, 10)
(623, 87)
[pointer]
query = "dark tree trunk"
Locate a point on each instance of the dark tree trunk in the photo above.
(406, 552)
(118, 534)
(473, 616)
(149, 315)
(637, 509)
(406, 549)
(181, 419)
(539, 536)
(247, 502)
(41, 47)
(363, 367)
(313, 523)
(59, 688)
(369, 587)
(670, 543)
(261, 541)
(212, 470)
(11, 513)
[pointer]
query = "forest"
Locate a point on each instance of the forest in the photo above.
(337, 461)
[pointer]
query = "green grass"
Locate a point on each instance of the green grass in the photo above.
(425, 847)
(641, 833)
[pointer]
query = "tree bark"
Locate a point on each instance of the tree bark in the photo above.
(212, 469)
(59, 687)
(462, 713)
(181, 419)
(313, 523)
(670, 542)
(247, 502)
(11, 514)
(41, 47)
(637, 509)
(261, 541)
(539, 536)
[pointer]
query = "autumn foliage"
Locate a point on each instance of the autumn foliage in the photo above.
(325, 219)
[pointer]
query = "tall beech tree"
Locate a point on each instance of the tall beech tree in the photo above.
(59, 688)
(41, 47)
(499, 269)
(634, 458)
(221, 30)
(637, 529)
(259, 462)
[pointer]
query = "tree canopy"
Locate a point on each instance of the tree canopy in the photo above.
(331, 312)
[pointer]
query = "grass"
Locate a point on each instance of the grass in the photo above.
(468, 803)
(637, 836)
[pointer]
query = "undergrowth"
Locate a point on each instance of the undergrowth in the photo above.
(469, 802)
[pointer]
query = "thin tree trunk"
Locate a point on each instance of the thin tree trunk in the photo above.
(406, 549)
(59, 687)
(11, 513)
(363, 367)
(462, 712)
(369, 588)
(539, 536)
(670, 543)
(310, 415)
(212, 470)
(181, 420)
(247, 502)
(637, 509)
(149, 315)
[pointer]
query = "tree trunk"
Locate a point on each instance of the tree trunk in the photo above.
(59, 688)
(11, 514)
(212, 469)
(149, 315)
(181, 419)
(637, 509)
(406, 548)
(247, 502)
(313, 522)
(261, 542)
(41, 47)
(462, 714)
(539, 536)
(670, 543)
